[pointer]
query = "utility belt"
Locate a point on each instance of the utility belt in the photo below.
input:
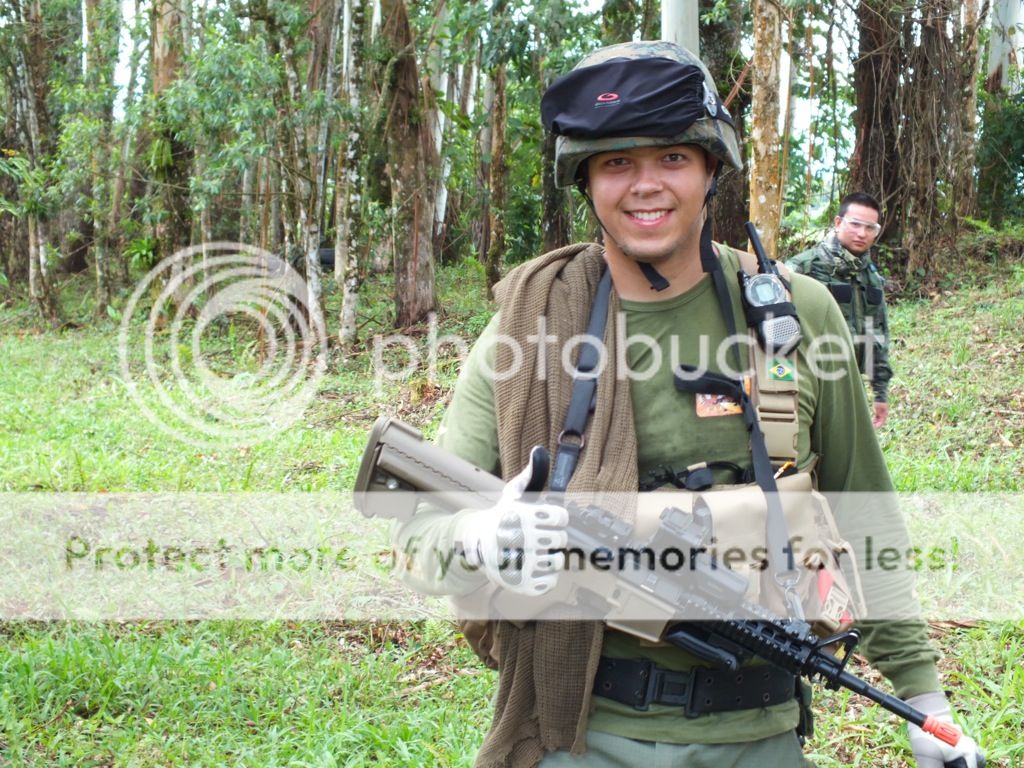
(698, 691)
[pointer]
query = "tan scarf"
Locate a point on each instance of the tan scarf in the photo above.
(547, 667)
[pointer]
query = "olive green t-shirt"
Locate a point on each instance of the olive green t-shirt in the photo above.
(835, 432)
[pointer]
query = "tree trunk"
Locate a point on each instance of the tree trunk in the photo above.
(328, 39)
(1006, 46)
(680, 23)
(929, 233)
(875, 163)
(247, 204)
(721, 52)
(350, 179)
(171, 156)
(102, 41)
(438, 82)
(963, 181)
(115, 230)
(30, 67)
(1006, 51)
(765, 180)
(499, 173)
(483, 236)
(410, 155)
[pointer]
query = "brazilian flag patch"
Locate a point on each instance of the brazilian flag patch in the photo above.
(780, 370)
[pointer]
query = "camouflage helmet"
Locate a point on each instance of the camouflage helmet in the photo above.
(712, 129)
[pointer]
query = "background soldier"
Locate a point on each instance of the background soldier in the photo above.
(842, 261)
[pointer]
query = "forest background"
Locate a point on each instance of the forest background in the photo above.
(401, 135)
(390, 153)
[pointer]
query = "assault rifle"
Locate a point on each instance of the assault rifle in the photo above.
(721, 628)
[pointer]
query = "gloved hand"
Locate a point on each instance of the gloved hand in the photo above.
(929, 752)
(511, 541)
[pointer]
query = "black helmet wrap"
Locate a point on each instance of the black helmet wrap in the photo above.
(652, 93)
(640, 94)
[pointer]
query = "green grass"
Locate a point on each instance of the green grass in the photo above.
(957, 411)
(329, 694)
(238, 693)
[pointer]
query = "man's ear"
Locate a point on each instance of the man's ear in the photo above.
(836, 222)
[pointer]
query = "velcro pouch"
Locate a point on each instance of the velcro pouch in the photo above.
(823, 558)
(841, 292)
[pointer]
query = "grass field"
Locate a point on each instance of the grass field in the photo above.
(282, 693)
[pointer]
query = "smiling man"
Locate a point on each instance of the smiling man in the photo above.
(642, 135)
(842, 262)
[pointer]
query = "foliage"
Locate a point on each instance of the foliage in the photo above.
(231, 114)
(1001, 157)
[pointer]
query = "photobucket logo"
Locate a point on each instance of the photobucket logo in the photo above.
(399, 357)
(230, 351)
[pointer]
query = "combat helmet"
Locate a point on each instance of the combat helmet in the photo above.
(639, 94)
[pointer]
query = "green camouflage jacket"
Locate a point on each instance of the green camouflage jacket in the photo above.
(859, 290)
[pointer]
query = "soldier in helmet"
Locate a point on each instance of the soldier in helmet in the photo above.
(842, 261)
(642, 134)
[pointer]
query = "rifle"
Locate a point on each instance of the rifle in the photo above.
(725, 629)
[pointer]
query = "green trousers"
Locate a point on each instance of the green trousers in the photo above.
(607, 751)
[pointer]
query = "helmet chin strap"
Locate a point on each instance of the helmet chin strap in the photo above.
(708, 260)
(658, 282)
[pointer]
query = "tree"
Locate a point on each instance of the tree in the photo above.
(937, 85)
(1001, 148)
(169, 157)
(29, 69)
(680, 24)
(875, 163)
(1006, 47)
(765, 177)
(350, 178)
(410, 153)
(622, 20)
(723, 34)
(556, 204)
(102, 21)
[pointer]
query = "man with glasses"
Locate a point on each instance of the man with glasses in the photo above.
(842, 262)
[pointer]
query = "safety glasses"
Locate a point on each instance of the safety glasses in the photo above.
(863, 226)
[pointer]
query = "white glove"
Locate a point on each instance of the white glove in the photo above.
(513, 540)
(929, 752)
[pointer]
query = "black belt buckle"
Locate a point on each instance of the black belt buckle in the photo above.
(672, 688)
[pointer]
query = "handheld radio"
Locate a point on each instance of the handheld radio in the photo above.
(765, 304)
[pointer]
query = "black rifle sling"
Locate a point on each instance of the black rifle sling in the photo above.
(780, 552)
(584, 389)
(583, 399)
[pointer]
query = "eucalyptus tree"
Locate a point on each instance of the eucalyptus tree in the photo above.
(875, 163)
(721, 49)
(168, 156)
(102, 27)
(1001, 147)
(26, 66)
(765, 168)
(411, 157)
(680, 23)
(497, 49)
(350, 166)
